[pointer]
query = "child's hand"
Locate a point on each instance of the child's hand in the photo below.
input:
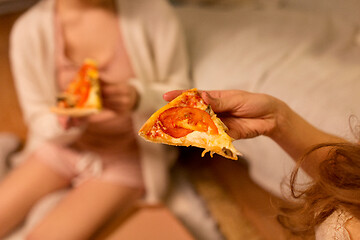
(119, 97)
(69, 122)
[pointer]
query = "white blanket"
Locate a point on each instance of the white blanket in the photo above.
(310, 59)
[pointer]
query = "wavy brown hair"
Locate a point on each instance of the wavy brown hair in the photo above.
(337, 186)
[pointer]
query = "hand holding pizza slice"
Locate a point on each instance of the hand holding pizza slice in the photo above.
(82, 96)
(188, 121)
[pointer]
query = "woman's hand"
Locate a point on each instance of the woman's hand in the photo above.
(249, 115)
(119, 97)
(246, 114)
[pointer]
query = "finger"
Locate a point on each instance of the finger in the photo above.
(169, 96)
(77, 121)
(69, 122)
(233, 129)
(219, 104)
(238, 128)
(215, 103)
(63, 121)
(124, 100)
(227, 101)
(115, 88)
(224, 93)
(118, 107)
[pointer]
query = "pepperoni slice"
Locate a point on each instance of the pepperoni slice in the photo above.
(180, 121)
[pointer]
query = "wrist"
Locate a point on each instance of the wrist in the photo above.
(283, 120)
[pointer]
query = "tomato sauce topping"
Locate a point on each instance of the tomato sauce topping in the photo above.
(82, 84)
(191, 101)
(180, 121)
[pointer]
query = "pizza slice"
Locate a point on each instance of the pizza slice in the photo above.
(82, 97)
(188, 121)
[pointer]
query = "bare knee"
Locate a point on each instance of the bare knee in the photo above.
(36, 235)
(41, 234)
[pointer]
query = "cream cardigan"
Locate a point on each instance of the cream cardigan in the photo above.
(156, 47)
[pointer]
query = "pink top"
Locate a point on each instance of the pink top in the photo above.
(107, 131)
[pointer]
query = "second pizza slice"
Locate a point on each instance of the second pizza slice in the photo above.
(188, 121)
(82, 96)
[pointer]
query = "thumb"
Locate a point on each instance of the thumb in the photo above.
(215, 103)
(169, 96)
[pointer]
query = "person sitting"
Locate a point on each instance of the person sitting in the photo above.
(329, 208)
(140, 52)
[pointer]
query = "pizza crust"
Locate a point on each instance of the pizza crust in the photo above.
(75, 112)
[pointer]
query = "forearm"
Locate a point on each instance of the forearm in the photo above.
(296, 136)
